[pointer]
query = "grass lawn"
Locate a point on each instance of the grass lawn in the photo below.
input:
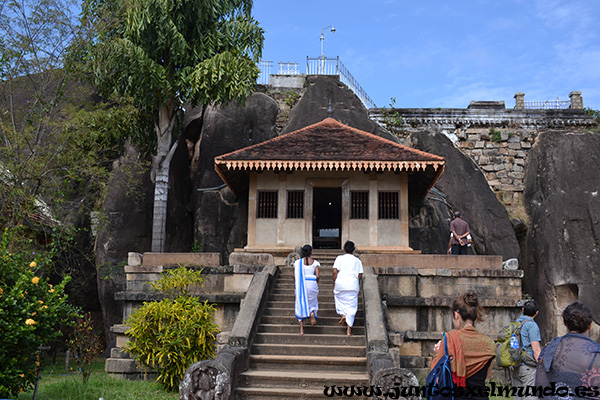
(59, 384)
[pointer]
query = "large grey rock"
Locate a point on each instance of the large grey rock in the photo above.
(429, 228)
(220, 130)
(562, 199)
(220, 218)
(126, 227)
(347, 107)
(467, 190)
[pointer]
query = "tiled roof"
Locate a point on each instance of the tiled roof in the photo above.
(327, 141)
(331, 146)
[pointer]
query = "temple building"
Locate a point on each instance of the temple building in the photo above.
(327, 183)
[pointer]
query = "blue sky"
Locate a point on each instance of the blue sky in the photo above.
(446, 53)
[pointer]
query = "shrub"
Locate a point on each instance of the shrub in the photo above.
(174, 333)
(31, 310)
(86, 343)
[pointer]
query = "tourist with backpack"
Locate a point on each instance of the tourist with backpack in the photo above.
(524, 372)
(470, 352)
(572, 360)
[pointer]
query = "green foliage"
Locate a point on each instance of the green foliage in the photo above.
(172, 334)
(178, 282)
(86, 344)
(495, 135)
(197, 247)
(173, 52)
(55, 154)
(31, 311)
(291, 98)
(391, 117)
(595, 114)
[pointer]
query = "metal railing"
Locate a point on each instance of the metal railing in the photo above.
(265, 72)
(288, 68)
(333, 66)
(317, 66)
(547, 105)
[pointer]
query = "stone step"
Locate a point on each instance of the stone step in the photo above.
(292, 297)
(290, 304)
(326, 321)
(308, 350)
(309, 339)
(324, 272)
(257, 393)
(318, 329)
(288, 282)
(301, 379)
(307, 363)
(325, 310)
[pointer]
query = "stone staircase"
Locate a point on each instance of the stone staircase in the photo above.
(287, 365)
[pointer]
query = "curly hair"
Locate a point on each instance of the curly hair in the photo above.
(577, 317)
(467, 306)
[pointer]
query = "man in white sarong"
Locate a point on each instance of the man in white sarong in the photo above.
(306, 277)
(347, 272)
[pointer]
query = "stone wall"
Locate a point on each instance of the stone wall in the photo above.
(496, 138)
(418, 304)
(224, 286)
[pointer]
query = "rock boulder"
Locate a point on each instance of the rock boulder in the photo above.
(562, 199)
(220, 218)
(465, 189)
(347, 107)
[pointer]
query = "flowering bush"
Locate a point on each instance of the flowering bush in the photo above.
(30, 312)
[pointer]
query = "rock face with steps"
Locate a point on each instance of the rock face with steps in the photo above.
(287, 365)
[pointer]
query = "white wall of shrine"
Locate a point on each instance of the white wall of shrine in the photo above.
(370, 233)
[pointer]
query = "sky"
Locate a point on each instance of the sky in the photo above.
(433, 53)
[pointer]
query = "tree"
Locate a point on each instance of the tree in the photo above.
(165, 54)
(57, 140)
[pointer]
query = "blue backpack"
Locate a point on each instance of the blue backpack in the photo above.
(440, 377)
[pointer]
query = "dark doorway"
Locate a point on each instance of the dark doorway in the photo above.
(327, 218)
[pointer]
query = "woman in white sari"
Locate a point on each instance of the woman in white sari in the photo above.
(347, 272)
(306, 277)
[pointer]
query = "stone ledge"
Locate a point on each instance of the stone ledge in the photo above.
(396, 301)
(175, 259)
(143, 269)
(231, 298)
(215, 270)
(119, 328)
(123, 366)
(432, 261)
(447, 272)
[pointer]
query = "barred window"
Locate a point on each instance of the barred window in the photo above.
(266, 206)
(295, 204)
(359, 204)
(389, 205)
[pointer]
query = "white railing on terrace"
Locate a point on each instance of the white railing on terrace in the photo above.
(333, 66)
(288, 68)
(265, 72)
(547, 105)
(317, 66)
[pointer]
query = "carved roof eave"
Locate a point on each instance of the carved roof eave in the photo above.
(294, 165)
(226, 167)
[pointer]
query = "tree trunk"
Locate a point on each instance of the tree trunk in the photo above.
(161, 165)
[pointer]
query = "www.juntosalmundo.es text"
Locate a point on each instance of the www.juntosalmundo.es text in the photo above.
(470, 391)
